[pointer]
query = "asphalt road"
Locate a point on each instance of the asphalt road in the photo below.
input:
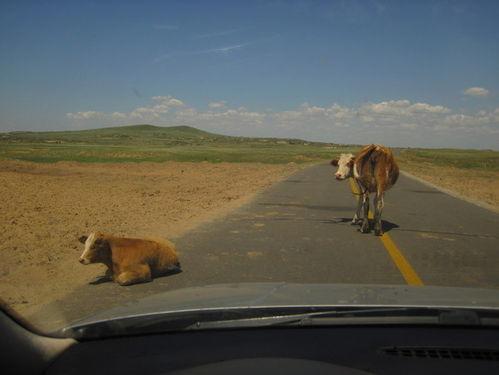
(299, 231)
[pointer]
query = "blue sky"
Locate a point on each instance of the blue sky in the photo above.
(415, 73)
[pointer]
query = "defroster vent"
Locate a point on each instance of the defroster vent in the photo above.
(442, 353)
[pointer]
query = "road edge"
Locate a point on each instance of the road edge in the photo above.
(476, 202)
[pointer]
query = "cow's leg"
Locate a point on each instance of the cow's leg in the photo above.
(134, 275)
(379, 204)
(108, 276)
(365, 220)
(358, 214)
(357, 218)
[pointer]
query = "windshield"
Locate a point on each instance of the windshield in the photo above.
(190, 156)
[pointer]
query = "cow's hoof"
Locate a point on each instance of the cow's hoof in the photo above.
(101, 279)
(378, 229)
(356, 222)
(365, 228)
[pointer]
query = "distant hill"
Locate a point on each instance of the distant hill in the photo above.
(142, 134)
(136, 143)
(131, 134)
(139, 143)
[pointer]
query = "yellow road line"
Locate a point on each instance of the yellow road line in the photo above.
(405, 268)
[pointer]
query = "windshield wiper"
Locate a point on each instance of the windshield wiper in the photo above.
(291, 316)
(392, 315)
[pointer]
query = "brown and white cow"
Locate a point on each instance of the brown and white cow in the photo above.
(130, 260)
(374, 170)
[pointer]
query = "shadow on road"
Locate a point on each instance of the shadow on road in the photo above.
(387, 225)
(308, 206)
(106, 279)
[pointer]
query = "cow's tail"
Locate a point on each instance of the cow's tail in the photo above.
(365, 155)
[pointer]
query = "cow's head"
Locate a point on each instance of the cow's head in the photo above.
(345, 166)
(97, 249)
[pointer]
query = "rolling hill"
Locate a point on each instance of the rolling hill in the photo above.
(139, 135)
(132, 134)
(155, 143)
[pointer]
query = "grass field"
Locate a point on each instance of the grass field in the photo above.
(139, 143)
(472, 174)
(482, 160)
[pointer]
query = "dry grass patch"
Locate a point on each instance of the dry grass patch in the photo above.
(480, 185)
(46, 207)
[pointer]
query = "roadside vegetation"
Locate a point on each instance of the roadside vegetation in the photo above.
(480, 160)
(147, 143)
(471, 174)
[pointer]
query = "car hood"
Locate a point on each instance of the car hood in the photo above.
(264, 295)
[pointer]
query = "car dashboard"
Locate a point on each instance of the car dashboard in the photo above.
(348, 349)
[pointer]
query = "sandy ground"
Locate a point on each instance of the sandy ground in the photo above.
(482, 186)
(46, 207)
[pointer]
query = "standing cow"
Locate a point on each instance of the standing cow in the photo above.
(374, 170)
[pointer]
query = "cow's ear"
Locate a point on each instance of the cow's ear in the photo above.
(83, 239)
(334, 162)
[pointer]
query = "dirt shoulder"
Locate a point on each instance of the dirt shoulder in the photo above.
(476, 185)
(46, 207)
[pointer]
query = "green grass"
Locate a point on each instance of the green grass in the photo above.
(484, 160)
(123, 135)
(139, 143)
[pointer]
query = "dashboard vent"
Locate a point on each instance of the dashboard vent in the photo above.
(442, 353)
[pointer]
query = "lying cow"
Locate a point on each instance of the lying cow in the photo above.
(129, 260)
(374, 170)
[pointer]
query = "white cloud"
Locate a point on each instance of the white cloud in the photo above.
(305, 112)
(402, 108)
(148, 113)
(219, 104)
(87, 115)
(228, 116)
(168, 101)
(476, 91)
(399, 122)
(118, 116)
(488, 119)
(161, 106)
